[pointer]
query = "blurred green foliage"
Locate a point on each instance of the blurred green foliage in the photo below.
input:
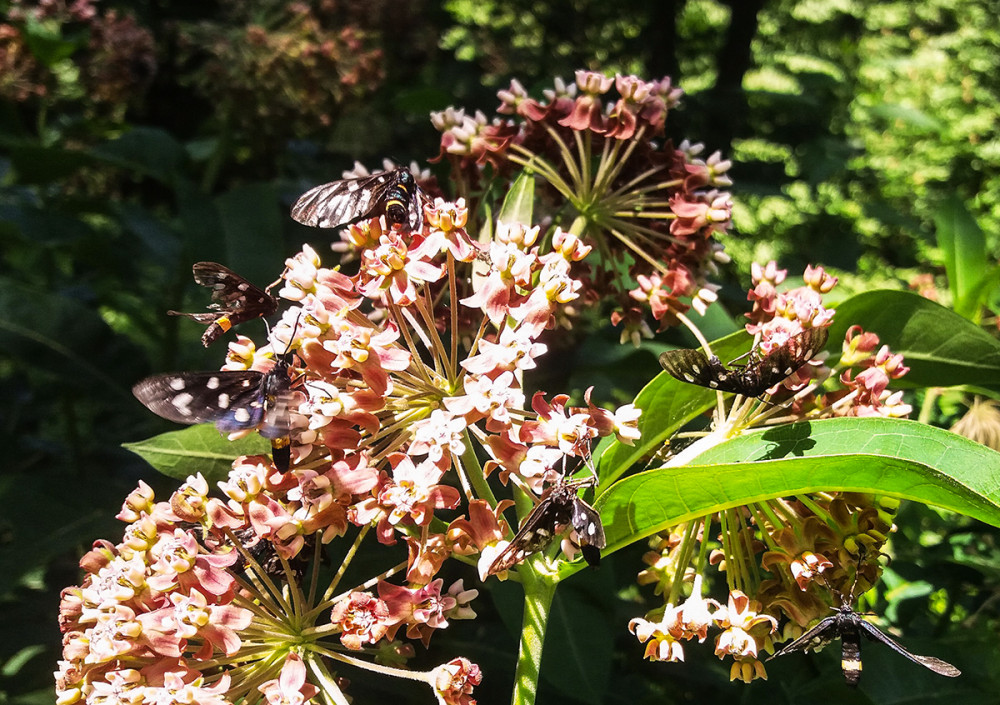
(139, 137)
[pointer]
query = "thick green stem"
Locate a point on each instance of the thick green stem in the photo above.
(539, 590)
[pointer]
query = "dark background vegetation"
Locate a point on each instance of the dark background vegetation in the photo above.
(139, 137)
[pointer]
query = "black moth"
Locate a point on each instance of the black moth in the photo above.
(394, 194)
(235, 300)
(848, 626)
(233, 400)
(559, 509)
(752, 379)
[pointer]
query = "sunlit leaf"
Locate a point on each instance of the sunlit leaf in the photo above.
(201, 448)
(902, 459)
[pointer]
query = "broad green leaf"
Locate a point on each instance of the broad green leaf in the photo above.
(940, 347)
(902, 459)
(146, 150)
(200, 448)
(964, 246)
(39, 164)
(519, 203)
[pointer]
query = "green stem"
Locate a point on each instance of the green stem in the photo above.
(475, 471)
(578, 226)
(928, 406)
(539, 590)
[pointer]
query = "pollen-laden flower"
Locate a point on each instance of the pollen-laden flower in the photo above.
(362, 618)
(290, 688)
(390, 270)
(412, 492)
(454, 681)
(738, 619)
(662, 637)
(422, 610)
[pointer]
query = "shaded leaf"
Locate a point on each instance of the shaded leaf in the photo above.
(940, 347)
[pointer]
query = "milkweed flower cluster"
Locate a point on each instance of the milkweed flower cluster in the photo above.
(806, 546)
(643, 203)
(216, 598)
(407, 415)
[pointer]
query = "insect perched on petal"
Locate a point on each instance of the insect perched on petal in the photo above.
(235, 300)
(848, 626)
(234, 400)
(394, 194)
(559, 509)
(753, 379)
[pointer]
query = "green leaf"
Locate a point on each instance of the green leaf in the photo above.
(519, 204)
(940, 347)
(667, 404)
(579, 640)
(911, 117)
(201, 448)
(13, 665)
(964, 246)
(47, 42)
(39, 164)
(146, 150)
(49, 332)
(893, 457)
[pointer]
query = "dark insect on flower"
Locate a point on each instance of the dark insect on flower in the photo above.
(559, 508)
(394, 194)
(263, 552)
(848, 626)
(234, 400)
(235, 299)
(752, 379)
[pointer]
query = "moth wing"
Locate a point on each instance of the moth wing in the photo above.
(198, 397)
(813, 639)
(536, 532)
(587, 523)
(687, 365)
(340, 202)
(232, 292)
(935, 664)
(771, 369)
(416, 213)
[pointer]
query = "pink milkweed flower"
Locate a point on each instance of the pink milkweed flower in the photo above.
(290, 688)
(453, 682)
(362, 618)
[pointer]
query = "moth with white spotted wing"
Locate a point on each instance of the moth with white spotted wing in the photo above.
(848, 626)
(559, 509)
(234, 400)
(394, 194)
(753, 379)
(235, 300)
